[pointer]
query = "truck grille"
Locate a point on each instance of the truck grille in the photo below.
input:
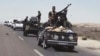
(62, 37)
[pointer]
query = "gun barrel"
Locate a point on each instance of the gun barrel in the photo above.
(65, 7)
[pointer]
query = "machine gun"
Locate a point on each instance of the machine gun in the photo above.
(62, 14)
(65, 8)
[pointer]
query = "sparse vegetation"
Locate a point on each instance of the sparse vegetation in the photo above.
(90, 31)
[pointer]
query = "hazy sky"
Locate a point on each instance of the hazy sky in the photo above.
(81, 11)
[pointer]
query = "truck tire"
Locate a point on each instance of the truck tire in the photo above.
(44, 44)
(25, 33)
(37, 36)
(39, 42)
(14, 28)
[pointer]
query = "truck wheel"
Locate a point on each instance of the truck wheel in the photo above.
(14, 28)
(25, 33)
(37, 36)
(39, 42)
(71, 48)
(44, 44)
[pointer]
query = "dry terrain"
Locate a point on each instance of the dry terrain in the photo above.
(88, 30)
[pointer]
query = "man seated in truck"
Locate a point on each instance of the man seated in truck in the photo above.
(59, 18)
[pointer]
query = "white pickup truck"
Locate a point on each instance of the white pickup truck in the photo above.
(17, 25)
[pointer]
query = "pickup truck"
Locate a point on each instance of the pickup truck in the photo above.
(53, 38)
(31, 27)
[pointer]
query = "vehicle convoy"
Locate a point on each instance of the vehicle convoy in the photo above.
(31, 26)
(58, 34)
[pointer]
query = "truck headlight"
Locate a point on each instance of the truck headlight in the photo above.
(63, 37)
(56, 37)
(71, 37)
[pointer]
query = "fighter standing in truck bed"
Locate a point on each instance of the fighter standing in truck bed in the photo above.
(24, 22)
(52, 16)
(39, 16)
